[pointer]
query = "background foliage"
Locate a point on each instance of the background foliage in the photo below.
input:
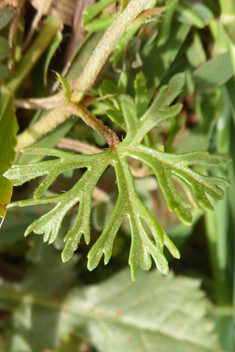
(47, 305)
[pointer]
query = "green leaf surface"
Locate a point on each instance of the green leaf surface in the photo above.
(8, 130)
(157, 60)
(101, 23)
(91, 12)
(165, 167)
(16, 223)
(5, 49)
(213, 73)
(6, 15)
(47, 282)
(66, 87)
(116, 315)
(50, 27)
(6, 189)
(194, 13)
(143, 96)
(196, 54)
(4, 71)
(165, 25)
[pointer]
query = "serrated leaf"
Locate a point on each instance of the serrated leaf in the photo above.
(165, 166)
(116, 315)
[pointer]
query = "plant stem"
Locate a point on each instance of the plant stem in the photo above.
(105, 48)
(78, 146)
(97, 125)
(31, 135)
(89, 75)
(81, 147)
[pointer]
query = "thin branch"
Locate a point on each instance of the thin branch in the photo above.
(40, 103)
(97, 125)
(78, 146)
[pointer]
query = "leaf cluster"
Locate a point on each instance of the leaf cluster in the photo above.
(165, 166)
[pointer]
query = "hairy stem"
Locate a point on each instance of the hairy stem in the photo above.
(105, 48)
(31, 135)
(82, 85)
(97, 125)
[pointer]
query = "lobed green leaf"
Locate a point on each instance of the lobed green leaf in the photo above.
(165, 166)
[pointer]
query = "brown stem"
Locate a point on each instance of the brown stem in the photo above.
(97, 125)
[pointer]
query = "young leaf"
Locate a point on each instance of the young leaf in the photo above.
(66, 86)
(165, 166)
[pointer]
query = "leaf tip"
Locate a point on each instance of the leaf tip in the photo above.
(28, 231)
(66, 255)
(66, 87)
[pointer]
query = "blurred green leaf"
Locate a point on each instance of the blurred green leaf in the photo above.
(8, 130)
(101, 23)
(101, 214)
(45, 284)
(6, 15)
(194, 13)
(165, 24)
(220, 38)
(6, 189)
(213, 73)
(4, 72)
(227, 7)
(15, 224)
(143, 96)
(196, 54)
(91, 12)
(116, 315)
(5, 49)
(157, 60)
